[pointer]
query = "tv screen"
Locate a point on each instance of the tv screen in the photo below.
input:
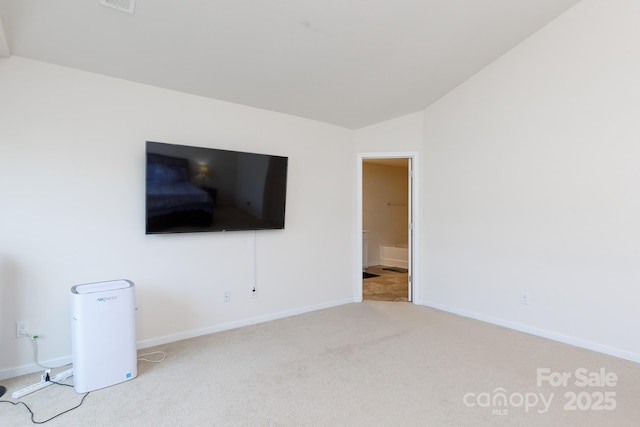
(196, 189)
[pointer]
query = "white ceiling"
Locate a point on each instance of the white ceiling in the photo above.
(347, 62)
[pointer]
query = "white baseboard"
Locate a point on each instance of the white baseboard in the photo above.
(239, 323)
(576, 342)
(391, 262)
(32, 368)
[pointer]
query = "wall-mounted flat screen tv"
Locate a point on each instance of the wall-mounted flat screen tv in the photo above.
(196, 189)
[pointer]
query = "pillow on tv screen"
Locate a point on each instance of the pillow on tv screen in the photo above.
(163, 174)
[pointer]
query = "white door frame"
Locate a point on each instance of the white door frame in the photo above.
(414, 214)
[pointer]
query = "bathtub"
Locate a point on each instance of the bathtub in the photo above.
(395, 256)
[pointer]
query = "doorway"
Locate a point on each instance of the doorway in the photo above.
(387, 228)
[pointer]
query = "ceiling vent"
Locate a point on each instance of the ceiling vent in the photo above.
(123, 5)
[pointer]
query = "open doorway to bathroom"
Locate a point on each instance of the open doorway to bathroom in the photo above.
(386, 203)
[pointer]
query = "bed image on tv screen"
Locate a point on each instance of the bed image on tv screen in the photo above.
(193, 189)
(173, 201)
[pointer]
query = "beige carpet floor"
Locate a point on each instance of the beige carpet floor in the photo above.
(368, 364)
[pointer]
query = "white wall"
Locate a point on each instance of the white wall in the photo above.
(72, 200)
(530, 184)
(4, 47)
(402, 134)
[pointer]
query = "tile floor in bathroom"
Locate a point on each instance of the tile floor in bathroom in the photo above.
(388, 286)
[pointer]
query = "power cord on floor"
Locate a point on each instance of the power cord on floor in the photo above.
(33, 338)
(34, 341)
(46, 377)
(55, 416)
(161, 353)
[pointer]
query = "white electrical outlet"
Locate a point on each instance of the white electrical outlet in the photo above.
(254, 292)
(22, 328)
(227, 296)
(524, 299)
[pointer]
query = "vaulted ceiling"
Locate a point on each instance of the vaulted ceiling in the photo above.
(347, 62)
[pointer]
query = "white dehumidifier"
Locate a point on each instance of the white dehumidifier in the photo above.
(103, 334)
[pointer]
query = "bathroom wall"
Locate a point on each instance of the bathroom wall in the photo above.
(384, 204)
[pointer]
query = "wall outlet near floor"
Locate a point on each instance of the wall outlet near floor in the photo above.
(524, 298)
(254, 292)
(22, 328)
(226, 296)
